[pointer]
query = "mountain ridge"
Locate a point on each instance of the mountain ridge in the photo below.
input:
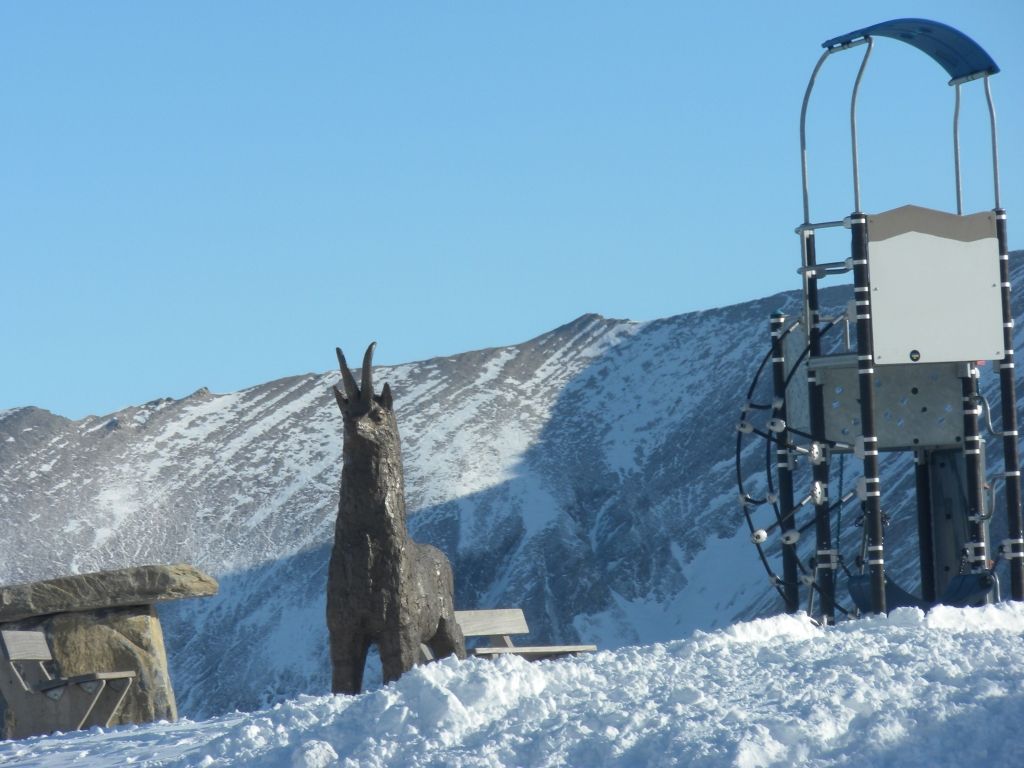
(585, 475)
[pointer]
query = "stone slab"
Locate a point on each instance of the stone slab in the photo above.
(142, 585)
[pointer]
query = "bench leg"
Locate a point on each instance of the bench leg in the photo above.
(59, 709)
(108, 702)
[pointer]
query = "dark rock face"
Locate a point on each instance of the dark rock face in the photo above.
(383, 588)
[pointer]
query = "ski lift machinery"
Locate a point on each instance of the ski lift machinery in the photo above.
(930, 301)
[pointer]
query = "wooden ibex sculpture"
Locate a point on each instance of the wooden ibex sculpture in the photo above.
(383, 588)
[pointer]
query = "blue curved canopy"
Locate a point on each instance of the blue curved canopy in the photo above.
(955, 52)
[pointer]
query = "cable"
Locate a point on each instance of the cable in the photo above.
(746, 500)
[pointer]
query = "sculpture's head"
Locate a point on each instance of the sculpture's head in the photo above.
(368, 417)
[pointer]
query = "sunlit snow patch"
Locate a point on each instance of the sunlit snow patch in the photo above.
(911, 689)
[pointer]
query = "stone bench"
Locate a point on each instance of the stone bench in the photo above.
(106, 621)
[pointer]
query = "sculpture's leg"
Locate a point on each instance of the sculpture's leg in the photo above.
(448, 641)
(399, 652)
(348, 661)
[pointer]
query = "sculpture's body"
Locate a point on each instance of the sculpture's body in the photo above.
(383, 588)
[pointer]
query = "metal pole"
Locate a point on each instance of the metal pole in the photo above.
(956, 153)
(975, 548)
(925, 539)
(853, 124)
(995, 141)
(866, 378)
(803, 135)
(783, 470)
(1014, 544)
(826, 557)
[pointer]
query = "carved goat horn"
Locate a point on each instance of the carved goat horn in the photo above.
(367, 392)
(351, 390)
(342, 400)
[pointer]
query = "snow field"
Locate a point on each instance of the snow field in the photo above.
(910, 689)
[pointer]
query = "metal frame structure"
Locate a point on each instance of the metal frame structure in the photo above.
(935, 463)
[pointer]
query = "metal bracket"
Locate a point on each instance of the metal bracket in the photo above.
(974, 552)
(818, 454)
(1012, 549)
(819, 492)
(826, 559)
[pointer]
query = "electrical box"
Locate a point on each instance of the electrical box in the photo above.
(916, 406)
(935, 288)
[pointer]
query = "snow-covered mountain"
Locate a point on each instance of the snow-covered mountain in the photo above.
(585, 475)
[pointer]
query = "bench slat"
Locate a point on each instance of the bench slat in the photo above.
(23, 645)
(500, 621)
(90, 677)
(537, 651)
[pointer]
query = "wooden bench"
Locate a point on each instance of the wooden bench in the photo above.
(39, 703)
(498, 624)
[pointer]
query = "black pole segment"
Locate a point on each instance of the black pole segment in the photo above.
(826, 558)
(866, 380)
(783, 468)
(925, 539)
(977, 558)
(1013, 548)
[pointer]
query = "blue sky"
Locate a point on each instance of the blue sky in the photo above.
(216, 194)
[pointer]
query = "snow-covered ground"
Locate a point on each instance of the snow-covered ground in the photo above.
(913, 689)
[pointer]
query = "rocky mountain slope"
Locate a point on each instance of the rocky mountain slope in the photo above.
(585, 475)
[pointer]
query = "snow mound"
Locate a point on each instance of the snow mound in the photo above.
(910, 689)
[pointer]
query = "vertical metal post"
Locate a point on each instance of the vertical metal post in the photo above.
(956, 154)
(853, 123)
(866, 379)
(826, 557)
(803, 134)
(995, 142)
(975, 548)
(1013, 548)
(925, 539)
(783, 467)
